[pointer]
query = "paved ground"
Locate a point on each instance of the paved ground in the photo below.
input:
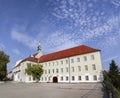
(50, 90)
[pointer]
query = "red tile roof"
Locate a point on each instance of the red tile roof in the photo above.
(60, 54)
(67, 53)
(30, 58)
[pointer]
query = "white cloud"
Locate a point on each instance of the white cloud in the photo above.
(60, 46)
(57, 41)
(110, 42)
(101, 30)
(73, 10)
(61, 39)
(25, 39)
(58, 16)
(90, 26)
(116, 2)
(66, 45)
(2, 46)
(16, 51)
(111, 39)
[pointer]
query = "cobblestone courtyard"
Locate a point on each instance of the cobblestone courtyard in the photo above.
(50, 90)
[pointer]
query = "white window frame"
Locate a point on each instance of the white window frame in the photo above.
(92, 57)
(67, 78)
(61, 70)
(95, 77)
(72, 60)
(67, 69)
(78, 59)
(62, 62)
(73, 69)
(86, 67)
(85, 58)
(87, 78)
(93, 66)
(73, 78)
(79, 68)
(79, 78)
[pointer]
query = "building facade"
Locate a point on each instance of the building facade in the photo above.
(73, 65)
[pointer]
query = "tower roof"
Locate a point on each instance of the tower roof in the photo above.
(39, 48)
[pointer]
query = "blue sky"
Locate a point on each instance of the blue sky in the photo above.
(59, 24)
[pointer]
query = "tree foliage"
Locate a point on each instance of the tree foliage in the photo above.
(36, 70)
(114, 74)
(112, 79)
(4, 59)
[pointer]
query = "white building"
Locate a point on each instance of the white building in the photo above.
(10, 75)
(73, 65)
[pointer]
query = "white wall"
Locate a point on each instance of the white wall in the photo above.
(97, 61)
(76, 73)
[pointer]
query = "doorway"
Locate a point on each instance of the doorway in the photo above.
(55, 80)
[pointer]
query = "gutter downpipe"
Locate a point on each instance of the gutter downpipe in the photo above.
(69, 70)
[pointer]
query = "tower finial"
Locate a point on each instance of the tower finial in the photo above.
(39, 48)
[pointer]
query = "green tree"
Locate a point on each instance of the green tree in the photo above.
(114, 74)
(4, 59)
(36, 70)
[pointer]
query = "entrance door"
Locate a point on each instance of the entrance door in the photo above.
(55, 80)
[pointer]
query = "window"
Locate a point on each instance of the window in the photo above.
(72, 60)
(79, 68)
(61, 70)
(66, 69)
(53, 70)
(78, 59)
(86, 78)
(49, 71)
(57, 62)
(73, 78)
(85, 58)
(73, 69)
(29, 78)
(61, 78)
(66, 61)
(61, 62)
(57, 70)
(92, 57)
(45, 71)
(94, 77)
(42, 78)
(93, 66)
(33, 78)
(49, 78)
(86, 67)
(66, 78)
(49, 63)
(79, 77)
(45, 78)
(18, 76)
(53, 63)
(46, 64)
